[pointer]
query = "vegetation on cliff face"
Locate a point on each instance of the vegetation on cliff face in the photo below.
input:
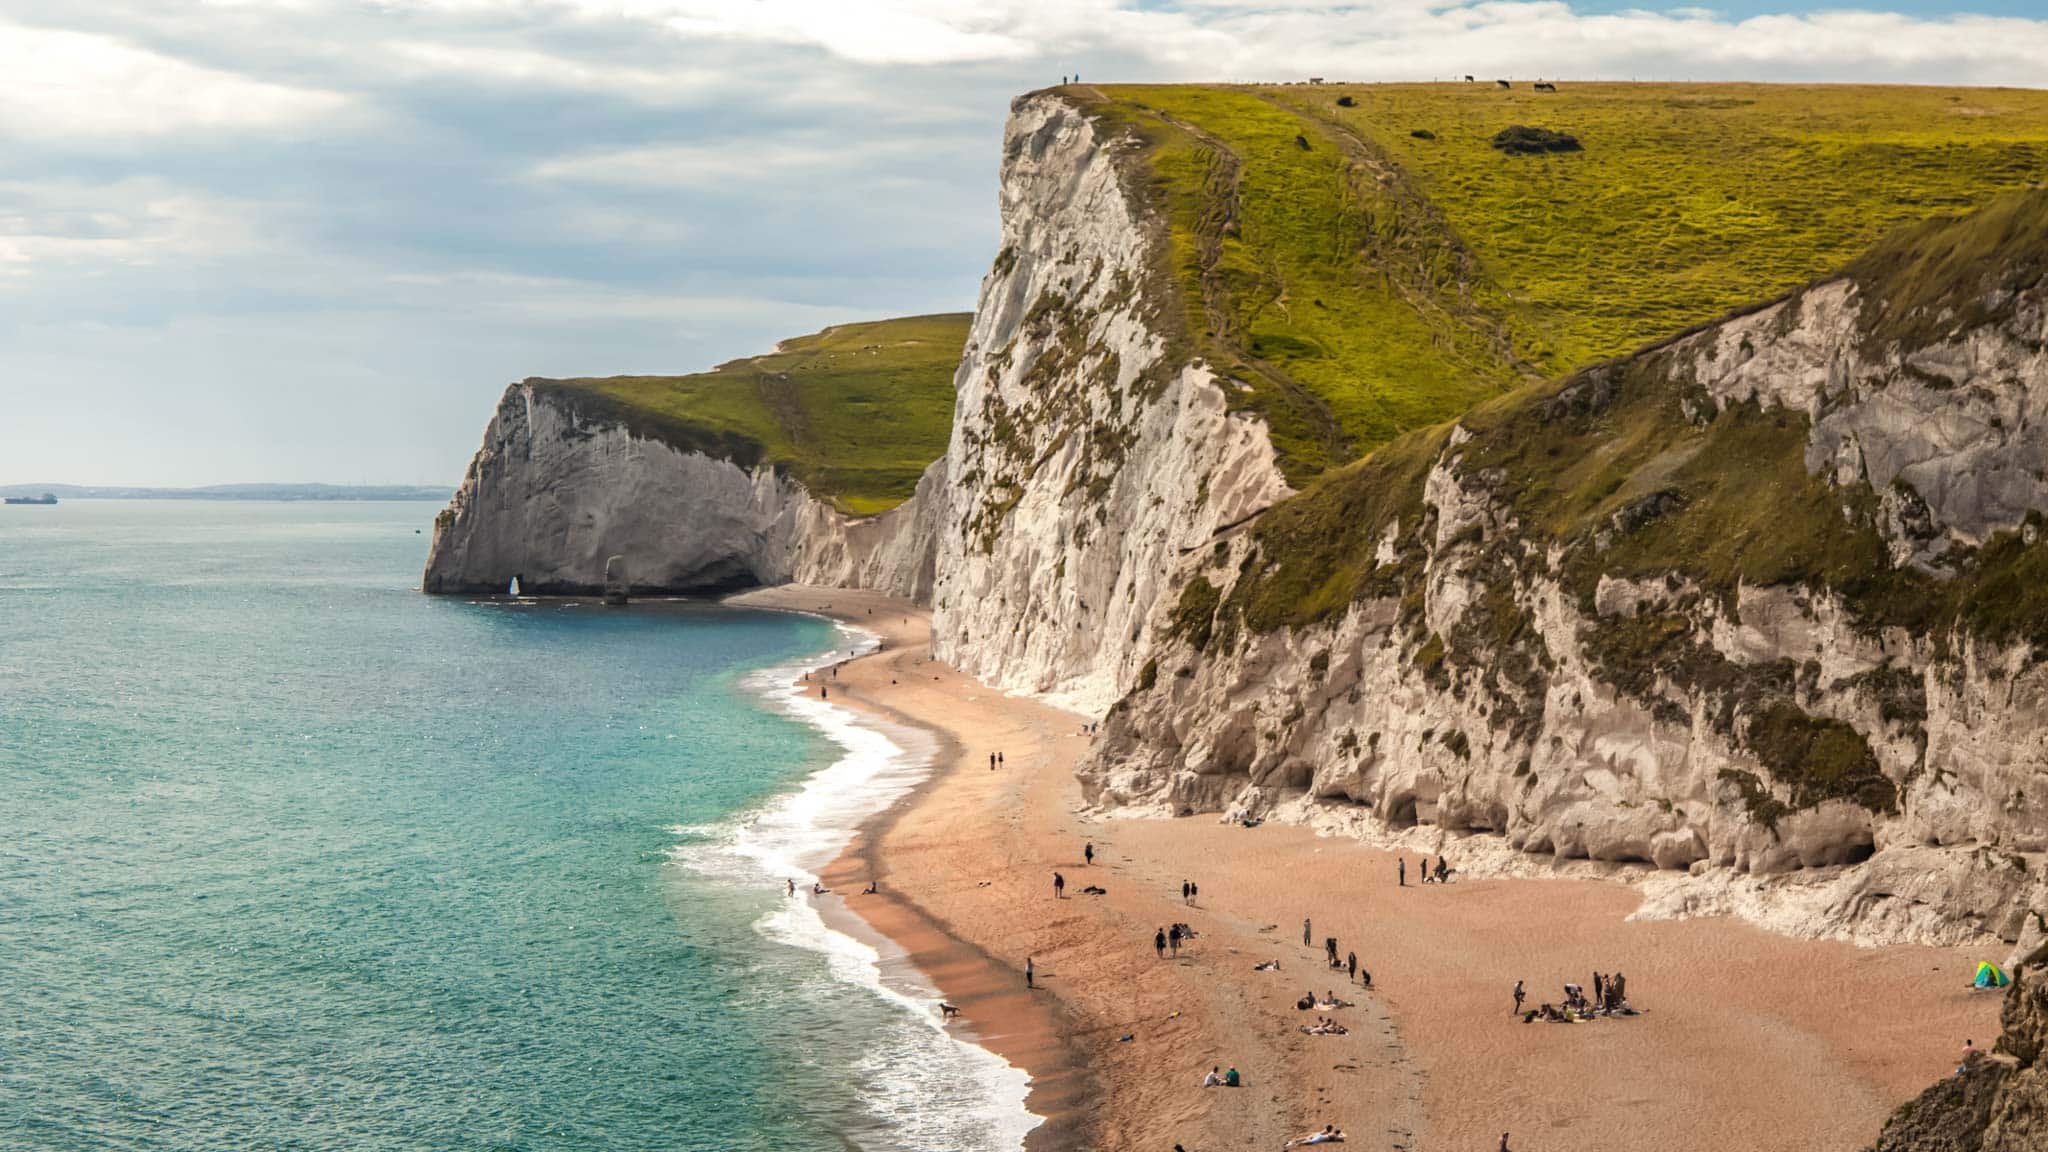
(1398, 269)
(855, 412)
(1629, 470)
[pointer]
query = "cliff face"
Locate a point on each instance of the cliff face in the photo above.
(556, 491)
(1762, 600)
(1086, 456)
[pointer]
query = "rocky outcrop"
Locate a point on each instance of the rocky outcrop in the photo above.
(1994, 1103)
(1752, 605)
(1088, 456)
(556, 491)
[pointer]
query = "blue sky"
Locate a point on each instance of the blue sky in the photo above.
(313, 239)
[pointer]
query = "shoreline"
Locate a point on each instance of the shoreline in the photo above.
(1749, 1040)
(914, 949)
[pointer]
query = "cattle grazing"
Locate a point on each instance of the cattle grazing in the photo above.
(1503, 83)
(1540, 86)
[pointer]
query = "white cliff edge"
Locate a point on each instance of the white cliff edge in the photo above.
(551, 497)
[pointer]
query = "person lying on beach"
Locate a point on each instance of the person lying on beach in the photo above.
(1214, 1079)
(1266, 966)
(1330, 1000)
(1324, 1027)
(1329, 1135)
(1095, 890)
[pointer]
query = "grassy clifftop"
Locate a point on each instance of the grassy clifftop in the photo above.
(855, 412)
(1368, 263)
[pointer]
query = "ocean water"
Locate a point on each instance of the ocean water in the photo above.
(294, 857)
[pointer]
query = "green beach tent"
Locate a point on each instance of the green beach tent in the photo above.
(1990, 975)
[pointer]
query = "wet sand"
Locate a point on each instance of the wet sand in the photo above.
(1748, 1040)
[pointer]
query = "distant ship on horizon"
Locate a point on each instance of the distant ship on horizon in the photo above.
(45, 498)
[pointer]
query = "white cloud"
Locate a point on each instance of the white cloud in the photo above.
(62, 84)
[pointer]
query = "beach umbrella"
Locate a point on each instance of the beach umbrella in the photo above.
(1990, 975)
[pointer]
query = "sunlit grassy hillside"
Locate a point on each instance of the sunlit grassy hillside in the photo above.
(855, 412)
(1367, 261)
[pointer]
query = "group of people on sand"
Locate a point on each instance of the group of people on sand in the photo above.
(1441, 874)
(1171, 938)
(1348, 963)
(1216, 1079)
(1609, 998)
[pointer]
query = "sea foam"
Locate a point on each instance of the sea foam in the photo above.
(927, 1088)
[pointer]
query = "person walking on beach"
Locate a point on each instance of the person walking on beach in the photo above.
(999, 759)
(991, 761)
(1401, 870)
(792, 886)
(1503, 1142)
(1518, 997)
(1185, 891)
(1088, 853)
(1307, 937)
(1059, 886)
(1351, 963)
(1598, 990)
(1194, 890)
(1173, 939)
(1030, 973)
(1159, 943)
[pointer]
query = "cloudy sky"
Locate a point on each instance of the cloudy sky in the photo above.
(279, 240)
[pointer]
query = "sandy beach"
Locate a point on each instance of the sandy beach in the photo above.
(1747, 1040)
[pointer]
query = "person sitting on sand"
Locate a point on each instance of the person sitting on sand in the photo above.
(1307, 1001)
(869, 890)
(1214, 1079)
(1231, 1079)
(1443, 870)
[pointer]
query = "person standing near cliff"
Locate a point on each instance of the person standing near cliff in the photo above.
(1401, 870)
(1088, 854)
(1307, 937)
(1030, 973)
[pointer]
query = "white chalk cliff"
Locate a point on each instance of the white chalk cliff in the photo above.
(1482, 705)
(554, 493)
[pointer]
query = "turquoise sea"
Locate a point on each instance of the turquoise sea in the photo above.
(294, 857)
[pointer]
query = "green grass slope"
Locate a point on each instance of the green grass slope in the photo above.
(856, 412)
(1609, 467)
(1366, 261)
